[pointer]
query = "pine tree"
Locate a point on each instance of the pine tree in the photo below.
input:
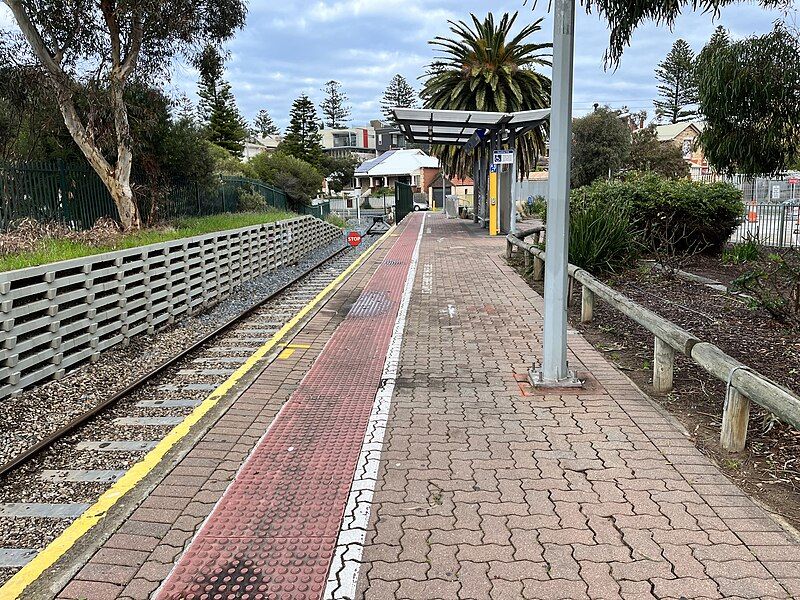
(264, 125)
(219, 114)
(677, 86)
(335, 111)
(184, 110)
(399, 94)
(303, 139)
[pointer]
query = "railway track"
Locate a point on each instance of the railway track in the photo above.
(53, 481)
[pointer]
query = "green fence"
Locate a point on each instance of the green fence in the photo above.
(75, 195)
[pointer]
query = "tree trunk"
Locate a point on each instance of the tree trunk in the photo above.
(115, 178)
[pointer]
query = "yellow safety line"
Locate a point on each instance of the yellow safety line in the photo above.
(285, 353)
(14, 587)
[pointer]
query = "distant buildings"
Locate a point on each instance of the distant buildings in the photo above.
(413, 167)
(351, 141)
(257, 144)
(684, 136)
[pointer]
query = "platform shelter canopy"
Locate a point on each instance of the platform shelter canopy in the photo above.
(457, 127)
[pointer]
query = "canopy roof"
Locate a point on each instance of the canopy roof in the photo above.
(456, 127)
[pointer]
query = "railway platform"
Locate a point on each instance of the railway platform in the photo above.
(389, 447)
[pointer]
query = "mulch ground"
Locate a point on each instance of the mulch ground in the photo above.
(769, 467)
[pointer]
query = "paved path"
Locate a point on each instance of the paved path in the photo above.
(484, 488)
(485, 492)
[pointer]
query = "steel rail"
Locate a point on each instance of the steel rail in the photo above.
(25, 456)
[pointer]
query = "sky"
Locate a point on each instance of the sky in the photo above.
(291, 47)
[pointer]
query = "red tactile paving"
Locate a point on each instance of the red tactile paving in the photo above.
(273, 533)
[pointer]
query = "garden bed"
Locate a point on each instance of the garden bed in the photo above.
(31, 243)
(769, 468)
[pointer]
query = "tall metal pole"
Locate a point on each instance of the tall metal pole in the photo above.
(554, 364)
(514, 183)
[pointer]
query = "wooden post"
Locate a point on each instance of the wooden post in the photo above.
(735, 416)
(570, 288)
(538, 268)
(509, 249)
(587, 304)
(528, 259)
(663, 366)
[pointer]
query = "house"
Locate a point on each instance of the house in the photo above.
(684, 136)
(351, 141)
(388, 137)
(405, 166)
(258, 144)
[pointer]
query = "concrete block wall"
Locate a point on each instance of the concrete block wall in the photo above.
(55, 316)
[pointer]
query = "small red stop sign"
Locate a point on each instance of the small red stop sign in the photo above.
(354, 238)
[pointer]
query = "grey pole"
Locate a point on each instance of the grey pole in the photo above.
(514, 183)
(554, 364)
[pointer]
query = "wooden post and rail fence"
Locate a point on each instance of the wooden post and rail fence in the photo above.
(743, 385)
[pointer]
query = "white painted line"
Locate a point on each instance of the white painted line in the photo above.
(343, 573)
(427, 278)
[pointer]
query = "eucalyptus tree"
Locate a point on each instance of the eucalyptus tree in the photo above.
(750, 98)
(101, 45)
(487, 67)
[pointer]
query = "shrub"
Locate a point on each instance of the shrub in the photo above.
(775, 286)
(601, 238)
(741, 253)
(251, 201)
(335, 219)
(686, 215)
(300, 180)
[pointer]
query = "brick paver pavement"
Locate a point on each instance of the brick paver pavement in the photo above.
(141, 552)
(486, 492)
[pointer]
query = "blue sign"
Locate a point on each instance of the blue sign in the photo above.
(493, 169)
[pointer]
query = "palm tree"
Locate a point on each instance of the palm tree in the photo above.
(480, 68)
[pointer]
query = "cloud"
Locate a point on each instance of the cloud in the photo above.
(295, 46)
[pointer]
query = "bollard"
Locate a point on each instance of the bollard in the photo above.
(663, 366)
(587, 305)
(735, 416)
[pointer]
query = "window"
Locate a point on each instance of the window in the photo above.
(687, 147)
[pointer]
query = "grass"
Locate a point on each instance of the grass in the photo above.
(58, 249)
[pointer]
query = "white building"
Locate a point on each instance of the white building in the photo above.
(406, 166)
(355, 141)
(256, 145)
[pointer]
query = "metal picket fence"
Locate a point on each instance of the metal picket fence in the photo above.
(774, 225)
(75, 195)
